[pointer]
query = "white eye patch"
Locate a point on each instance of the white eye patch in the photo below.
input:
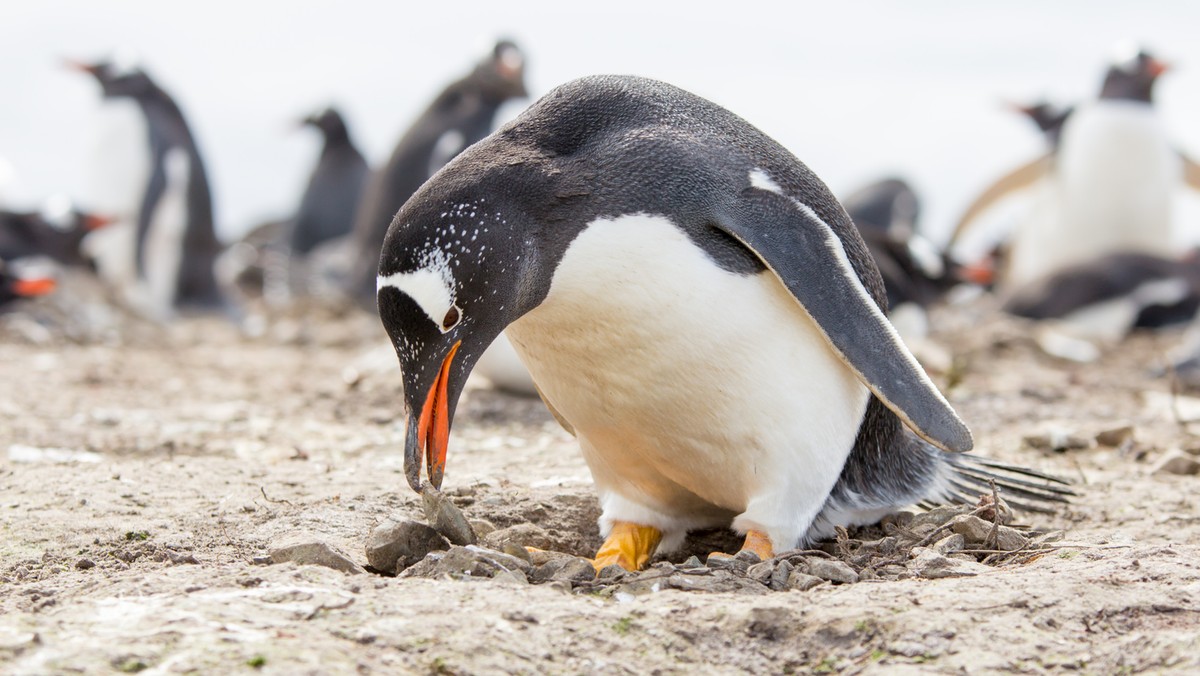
(432, 289)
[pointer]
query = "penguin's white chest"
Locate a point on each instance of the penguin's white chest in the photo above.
(697, 394)
(1112, 190)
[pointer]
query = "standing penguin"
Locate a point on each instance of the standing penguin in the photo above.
(460, 116)
(175, 243)
(1108, 185)
(694, 305)
(334, 189)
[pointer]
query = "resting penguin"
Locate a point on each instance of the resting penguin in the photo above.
(56, 232)
(1108, 185)
(913, 269)
(461, 115)
(175, 244)
(14, 286)
(692, 303)
(1114, 294)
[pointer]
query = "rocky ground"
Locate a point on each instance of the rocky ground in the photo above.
(159, 486)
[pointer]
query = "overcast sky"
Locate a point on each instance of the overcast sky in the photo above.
(857, 90)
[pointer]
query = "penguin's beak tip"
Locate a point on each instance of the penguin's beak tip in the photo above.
(78, 66)
(97, 221)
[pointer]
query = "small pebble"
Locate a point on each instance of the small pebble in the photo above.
(1177, 462)
(833, 571)
(445, 517)
(803, 581)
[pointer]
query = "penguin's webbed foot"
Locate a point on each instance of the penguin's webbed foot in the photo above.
(757, 542)
(629, 545)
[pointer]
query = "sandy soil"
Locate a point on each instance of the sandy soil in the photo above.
(144, 477)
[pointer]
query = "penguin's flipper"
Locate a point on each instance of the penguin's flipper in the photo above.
(554, 412)
(1191, 172)
(808, 256)
(1018, 179)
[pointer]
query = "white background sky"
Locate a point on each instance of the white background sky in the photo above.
(857, 90)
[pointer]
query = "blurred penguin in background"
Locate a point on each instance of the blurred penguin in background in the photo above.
(1106, 187)
(15, 286)
(461, 115)
(56, 232)
(174, 241)
(916, 273)
(335, 187)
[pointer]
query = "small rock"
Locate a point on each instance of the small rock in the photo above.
(730, 563)
(977, 532)
(936, 517)
(468, 561)
(482, 527)
(445, 517)
(949, 544)
(1115, 437)
(612, 571)
(779, 576)
(1177, 462)
(803, 581)
(1058, 440)
(517, 551)
(692, 562)
(314, 553)
(931, 565)
(392, 547)
(761, 572)
(178, 558)
(834, 571)
(522, 534)
(974, 529)
(748, 556)
(574, 569)
(85, 564)
(539, 557)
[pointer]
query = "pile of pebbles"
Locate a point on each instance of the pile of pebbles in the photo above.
(948, 541)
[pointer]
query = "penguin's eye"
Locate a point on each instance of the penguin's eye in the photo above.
(453, 316)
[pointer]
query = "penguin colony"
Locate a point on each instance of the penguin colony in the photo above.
(633, 245)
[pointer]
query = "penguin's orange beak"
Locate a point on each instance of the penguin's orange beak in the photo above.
(79, 66)
(1157, 67)
(95, 221)
(29, 288)
(431, 434)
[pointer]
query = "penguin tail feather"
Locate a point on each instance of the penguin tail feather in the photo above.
(970, 476)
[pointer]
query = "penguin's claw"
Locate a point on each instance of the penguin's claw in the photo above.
(629, 545)
(757, 542)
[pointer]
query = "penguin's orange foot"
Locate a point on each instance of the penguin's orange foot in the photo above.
(757, 542)
(628, 545)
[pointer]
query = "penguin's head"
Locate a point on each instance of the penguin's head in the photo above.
(328, 121)
(452, 276)
(117, 77)
(1132, 75)
(501, 74)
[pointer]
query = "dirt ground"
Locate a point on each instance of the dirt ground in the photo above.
(145, 474)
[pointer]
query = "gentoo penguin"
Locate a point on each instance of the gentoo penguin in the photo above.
(334, 189)
(56, 232)
(694, 305)
(914, 270)
(14, 286)
(461, 115)
(175, 243)
(1108, 297)
(1107, 188)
